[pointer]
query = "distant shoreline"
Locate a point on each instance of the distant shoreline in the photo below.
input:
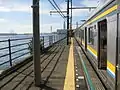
(8, 34)
(20, 34)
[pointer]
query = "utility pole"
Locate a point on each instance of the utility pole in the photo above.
(76, 24)
(71, 15)
(36, 43)
(67, 22)
(51, 29)
(64, 26)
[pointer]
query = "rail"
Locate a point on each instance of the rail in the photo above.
(88, 79)
(13, 51)
(90, 84)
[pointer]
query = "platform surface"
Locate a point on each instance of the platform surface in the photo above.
(53, 68)
(61, 69)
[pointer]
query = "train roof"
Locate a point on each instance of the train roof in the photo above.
(101, 5)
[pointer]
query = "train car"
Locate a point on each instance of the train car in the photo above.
(100, 38)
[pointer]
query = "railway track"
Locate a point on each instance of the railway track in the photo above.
(94, 81)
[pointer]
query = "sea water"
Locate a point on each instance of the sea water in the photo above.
(18, 36)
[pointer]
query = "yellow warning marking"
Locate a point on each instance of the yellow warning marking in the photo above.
(104, 13)
(69, 83)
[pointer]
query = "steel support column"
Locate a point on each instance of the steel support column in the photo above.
(36, 43)
(67, 22)
(71, 15)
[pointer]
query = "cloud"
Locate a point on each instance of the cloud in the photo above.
(15, 7)
(22, 7)
(15, 27)
(45, 7)
(63, 6)
(82, 12)
(2, 20)
(45, 28)
(4, 9)
(90, 3)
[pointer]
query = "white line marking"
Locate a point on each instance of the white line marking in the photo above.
(76, 74)
(77, 79)
(77, 86)
(80, 77)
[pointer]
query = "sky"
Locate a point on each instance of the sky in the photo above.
(16, 15)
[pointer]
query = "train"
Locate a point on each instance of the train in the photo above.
(99, 36)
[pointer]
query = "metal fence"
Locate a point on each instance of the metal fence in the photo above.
(14, 51)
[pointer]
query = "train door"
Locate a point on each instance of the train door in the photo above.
(82, 36)
(118, 57)
(102, 44)
(118, 47)
(86, 38)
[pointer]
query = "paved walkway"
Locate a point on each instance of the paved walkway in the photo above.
(70, 74)
(61, 67)
(53, 68)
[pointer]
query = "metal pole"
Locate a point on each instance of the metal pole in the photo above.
(67, 22)
(64, 25)
(76, 25)
(71, 15)
(10, 52)
(71, 21)
(36, 43)
(51, 29)
(43, 42)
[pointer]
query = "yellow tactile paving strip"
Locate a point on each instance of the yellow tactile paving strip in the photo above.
(70, 78)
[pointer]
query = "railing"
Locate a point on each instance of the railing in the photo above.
(13, 51)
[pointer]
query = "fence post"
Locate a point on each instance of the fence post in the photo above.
(54, 38)
(49, 40)
(10, 58)
(43, 42)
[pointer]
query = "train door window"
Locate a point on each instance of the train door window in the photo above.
(82, 34)
(90, 36)
(102, 44)
(118, 74)
(86, 38)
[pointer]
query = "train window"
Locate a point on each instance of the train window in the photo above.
(82, 34)
(102, 44)
(94, 26)
(86, 38)
(90, 36)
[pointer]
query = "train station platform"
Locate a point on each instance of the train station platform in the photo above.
(63, 67)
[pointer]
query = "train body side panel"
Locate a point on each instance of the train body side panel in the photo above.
(92, 46)
(111, 46)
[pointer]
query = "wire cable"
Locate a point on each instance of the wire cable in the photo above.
(60, 12)
(36, 4)
(58, 8)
